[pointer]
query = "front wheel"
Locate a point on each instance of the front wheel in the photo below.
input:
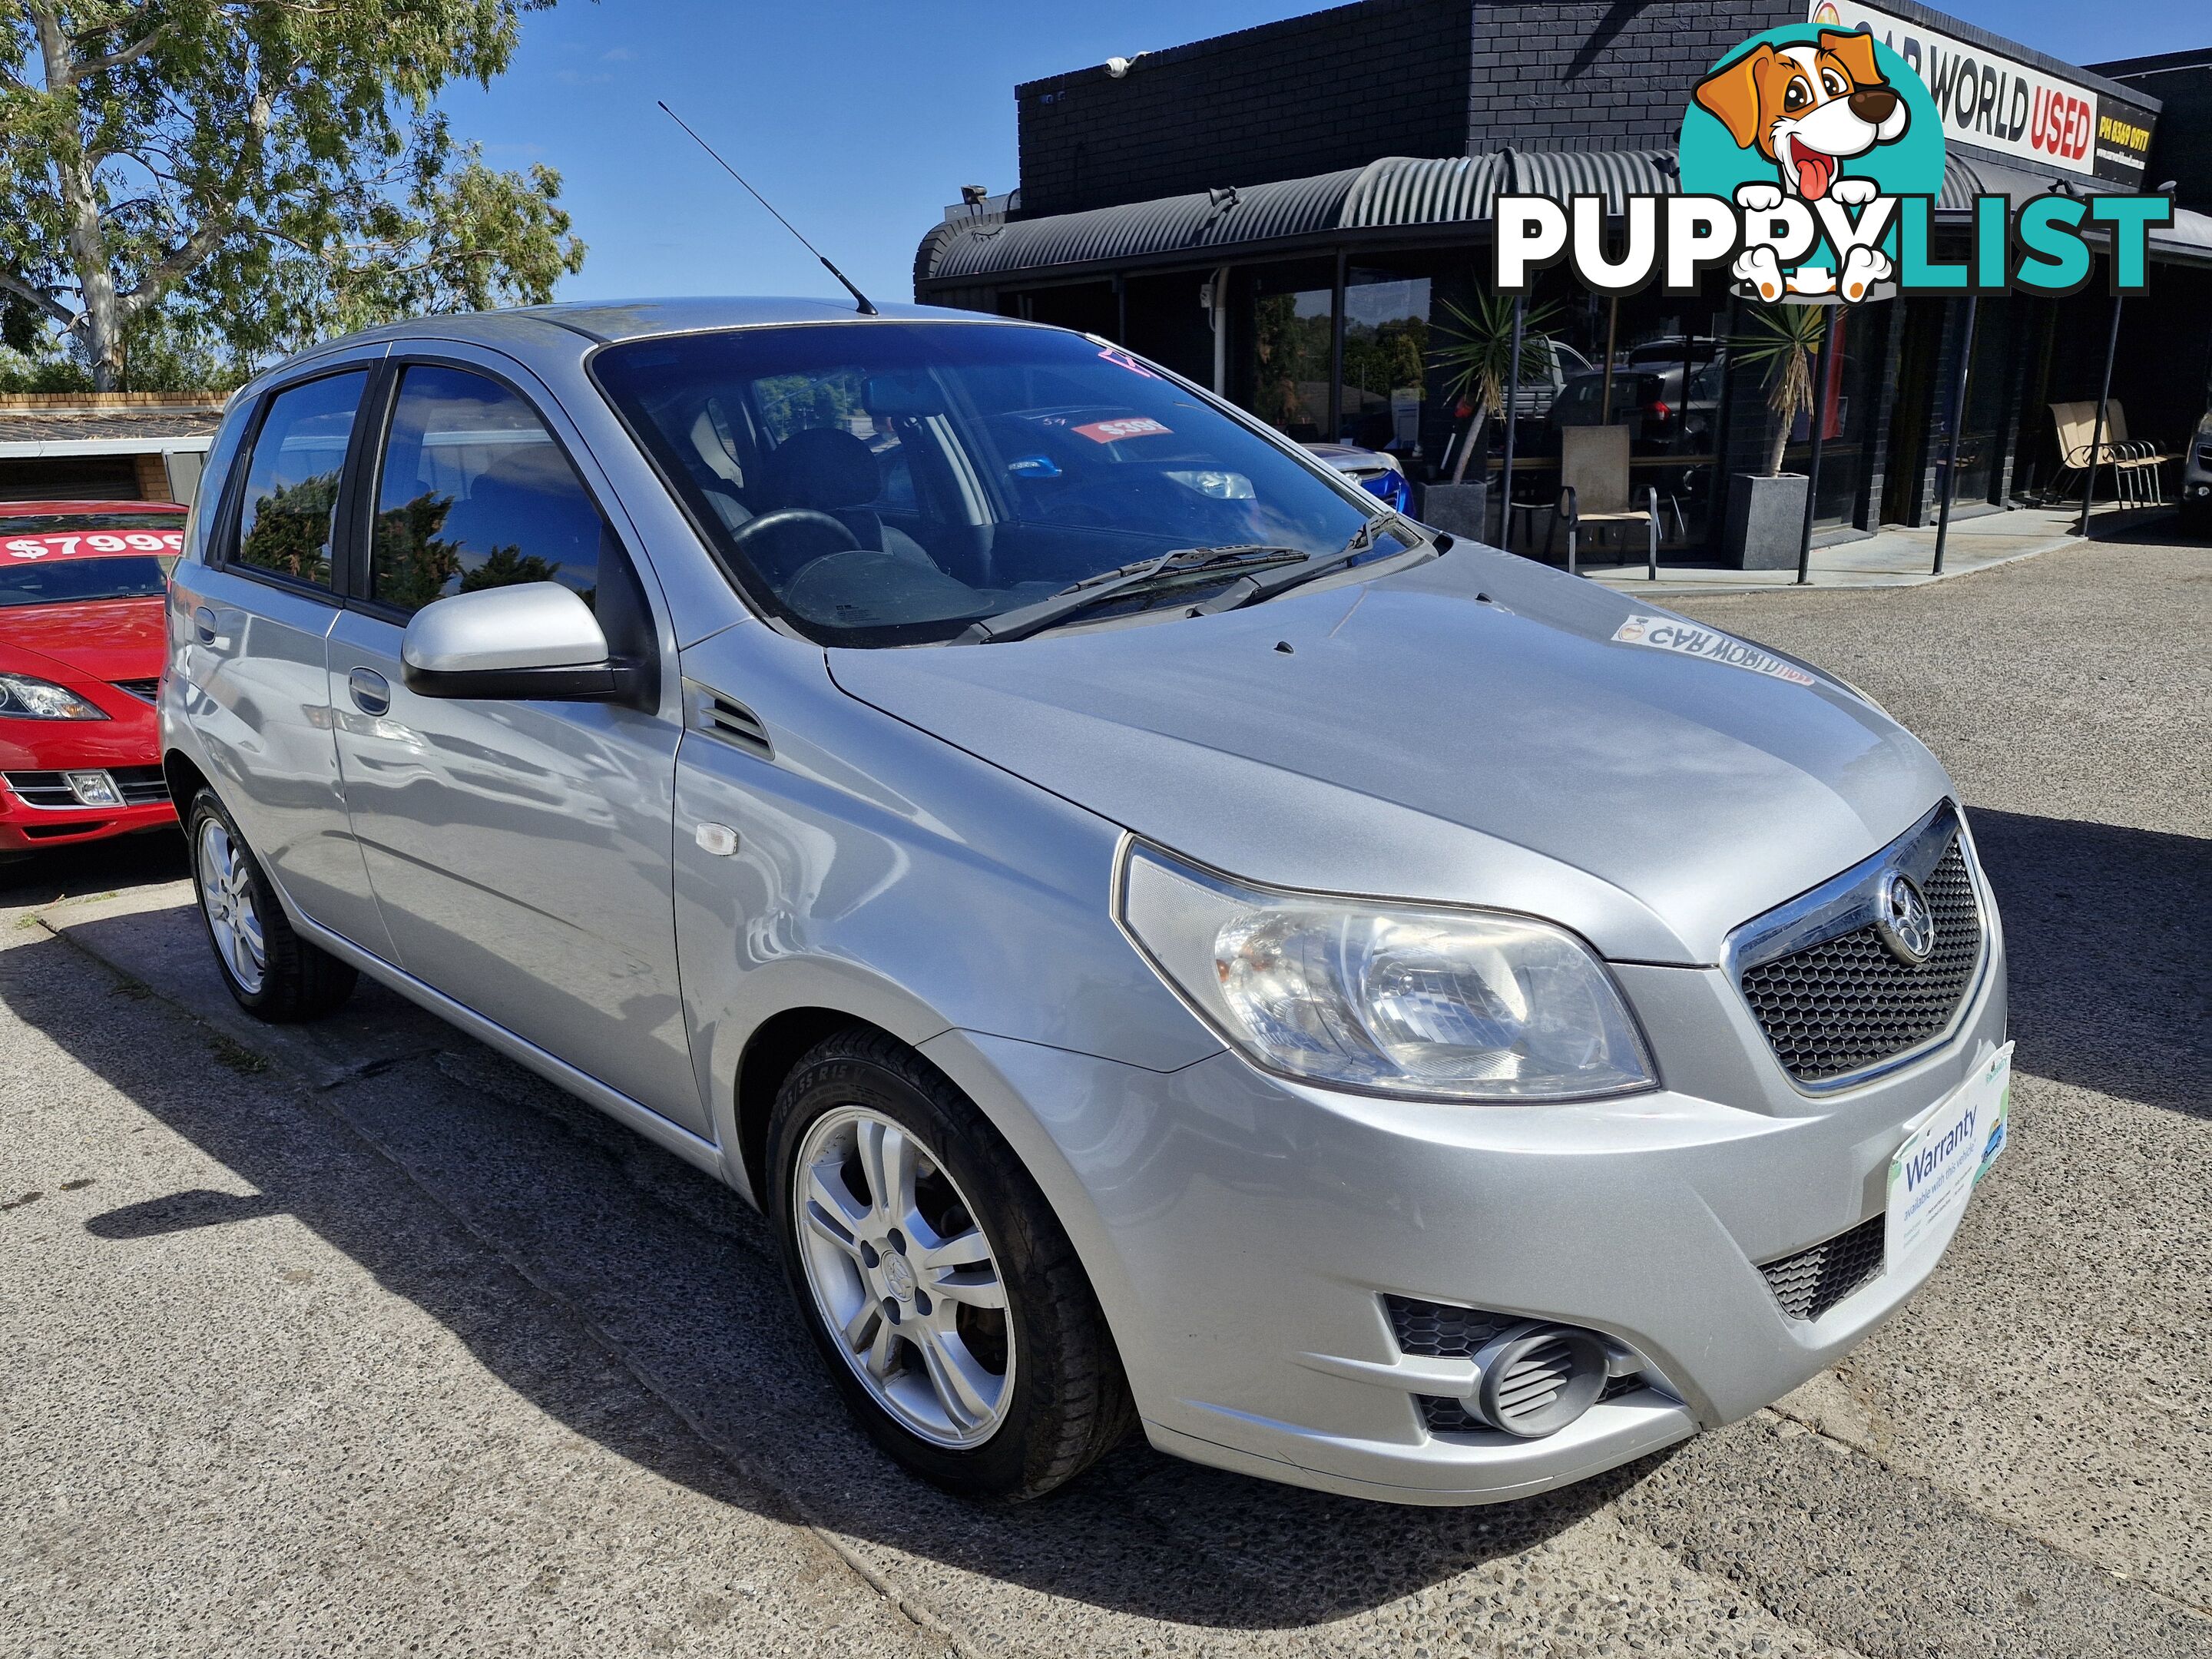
(948, 1303)
(274, 974)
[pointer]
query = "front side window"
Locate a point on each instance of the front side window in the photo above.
(892, 484)
(475, 493)
(292, 479)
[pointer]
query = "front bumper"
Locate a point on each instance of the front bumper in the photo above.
(38, 810)
(1242, 1233)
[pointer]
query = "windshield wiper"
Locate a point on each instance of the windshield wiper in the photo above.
(1171, 568)
(1250, 590)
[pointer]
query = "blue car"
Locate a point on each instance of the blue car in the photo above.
(1373, 472)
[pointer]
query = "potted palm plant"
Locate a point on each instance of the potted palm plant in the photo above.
(1477, 360)
(1767, 509)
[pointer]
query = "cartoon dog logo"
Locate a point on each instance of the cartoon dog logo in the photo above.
(1807, 109)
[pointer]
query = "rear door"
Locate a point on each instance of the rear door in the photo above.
(262, 605)
(519, 851)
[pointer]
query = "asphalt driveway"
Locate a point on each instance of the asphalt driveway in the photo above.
(357, 1339)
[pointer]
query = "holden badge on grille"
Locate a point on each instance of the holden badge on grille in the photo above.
(1902, 917)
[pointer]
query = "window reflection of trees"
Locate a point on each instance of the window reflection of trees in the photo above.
(291, 529)
(415, 564)
(1291, 389)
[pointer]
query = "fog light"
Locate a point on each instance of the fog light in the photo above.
(93, 788)
(1535, 1379)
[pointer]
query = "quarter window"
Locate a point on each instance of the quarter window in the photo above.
(475, 493)
(292, 482)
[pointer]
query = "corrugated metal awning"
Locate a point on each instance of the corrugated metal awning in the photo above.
(1172, 224)
(1615, 174)
(1397, 192)
(1401, 189)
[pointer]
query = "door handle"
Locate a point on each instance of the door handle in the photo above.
(372, 692)
(203, 625)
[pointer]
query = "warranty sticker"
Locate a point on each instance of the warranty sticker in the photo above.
(1670, 634)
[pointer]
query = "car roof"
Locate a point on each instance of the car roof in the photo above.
(604, 321)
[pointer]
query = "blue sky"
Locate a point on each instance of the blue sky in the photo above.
(863, 120)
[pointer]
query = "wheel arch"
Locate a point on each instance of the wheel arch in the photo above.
(185, 779)
(776, 1047)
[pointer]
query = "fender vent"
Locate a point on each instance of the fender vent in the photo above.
(726, 718)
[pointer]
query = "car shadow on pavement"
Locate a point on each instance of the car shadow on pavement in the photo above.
(2107, 933)
(93, 866)
(559, 1239)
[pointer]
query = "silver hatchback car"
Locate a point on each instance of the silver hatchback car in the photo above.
(1166, 939)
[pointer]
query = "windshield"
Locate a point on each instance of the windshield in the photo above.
(71, 581)
(66, 559)
(891, 483)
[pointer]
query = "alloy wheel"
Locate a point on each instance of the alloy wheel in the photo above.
(227, 896)
(903, 1277)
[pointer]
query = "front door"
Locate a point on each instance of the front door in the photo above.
(519, 850)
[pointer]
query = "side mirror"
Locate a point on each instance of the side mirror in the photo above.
(529, 641)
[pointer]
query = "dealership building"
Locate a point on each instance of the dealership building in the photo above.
(1299, 216)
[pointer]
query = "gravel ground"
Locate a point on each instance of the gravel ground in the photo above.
(357, 1339)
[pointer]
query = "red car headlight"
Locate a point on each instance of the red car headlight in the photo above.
(23, 697)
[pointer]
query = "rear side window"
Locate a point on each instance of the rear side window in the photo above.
(292, 480)
(475, 493)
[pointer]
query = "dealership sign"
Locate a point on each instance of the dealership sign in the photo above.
(1810, 161)
(2003, 105)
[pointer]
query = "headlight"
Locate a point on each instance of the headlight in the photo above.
(42, 700)
(1415, 1001)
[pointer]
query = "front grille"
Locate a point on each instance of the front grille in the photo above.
(1847, 1003)
(139, 785)
(1814, 1280)
(42, 789)
(1437, 1330)
(145, 691)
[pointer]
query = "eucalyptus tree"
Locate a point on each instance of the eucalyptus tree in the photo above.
(273, 170)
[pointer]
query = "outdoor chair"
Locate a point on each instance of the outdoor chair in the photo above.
(2140, 458)
(1594, 489)
(2132, 460)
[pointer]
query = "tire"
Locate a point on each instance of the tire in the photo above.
(273, 973)
(1042, 1371)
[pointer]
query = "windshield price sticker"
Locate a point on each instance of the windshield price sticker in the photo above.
(1941, 1162)
(1134, 426)
(1687, 639)
(78, 545)
(1122, 359)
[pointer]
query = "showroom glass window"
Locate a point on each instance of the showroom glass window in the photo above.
(1386, 361)
(473, 493)
(292, 480)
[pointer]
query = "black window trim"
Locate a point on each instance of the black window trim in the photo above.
(367, 474)
(223, 540)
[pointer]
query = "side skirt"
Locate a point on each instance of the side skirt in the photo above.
(673, 1137)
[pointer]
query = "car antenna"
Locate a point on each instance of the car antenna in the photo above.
(867, 305)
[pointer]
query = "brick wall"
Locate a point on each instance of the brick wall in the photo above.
(1311, 94)
(1338, 88)
(1597, 76)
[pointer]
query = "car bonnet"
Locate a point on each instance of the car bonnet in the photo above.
(1475, 729)
(99, 639)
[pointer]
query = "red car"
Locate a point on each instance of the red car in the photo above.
(82, 586)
